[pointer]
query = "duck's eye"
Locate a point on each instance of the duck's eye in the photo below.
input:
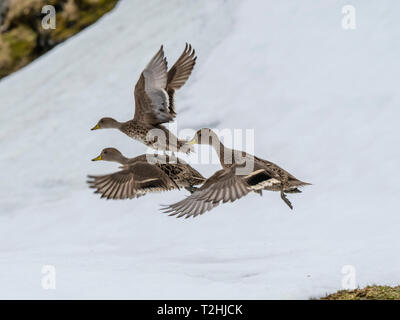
(105, 152)
(101, 121)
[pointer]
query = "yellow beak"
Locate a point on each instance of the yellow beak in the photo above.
(97, 158)
(193, 141)
(95, 127)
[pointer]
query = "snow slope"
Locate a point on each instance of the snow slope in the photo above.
(324, 104)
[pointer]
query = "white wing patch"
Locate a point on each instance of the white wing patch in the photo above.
(160, 102)
(267, 183)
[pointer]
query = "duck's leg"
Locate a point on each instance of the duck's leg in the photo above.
(259, 192)
(295, 190)
(286, 200)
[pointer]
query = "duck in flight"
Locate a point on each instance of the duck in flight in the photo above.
(154, 103)
(235, 180)
(143, 174)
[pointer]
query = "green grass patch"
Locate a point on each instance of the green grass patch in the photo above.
(368, 293)
(24, 39)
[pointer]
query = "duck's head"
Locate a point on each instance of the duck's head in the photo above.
(204, 136)
(110, 154)
(106, 123)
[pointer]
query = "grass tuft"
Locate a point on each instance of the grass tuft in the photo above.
(22, 39)
(368, 293)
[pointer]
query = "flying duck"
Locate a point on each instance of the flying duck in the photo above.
(154, 103)
(142, 174)
(241, 174)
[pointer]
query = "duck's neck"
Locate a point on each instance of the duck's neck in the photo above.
(118, 125)
(113, 124)
(225, 154)
(121, 159)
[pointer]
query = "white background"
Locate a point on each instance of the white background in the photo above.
(324, 104)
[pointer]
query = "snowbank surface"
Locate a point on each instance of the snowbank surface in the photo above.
(324, 104)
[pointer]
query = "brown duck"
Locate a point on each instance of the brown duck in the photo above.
(241, 174)
(154, 102)
(142, 174)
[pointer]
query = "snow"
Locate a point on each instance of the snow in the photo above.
(323, 103)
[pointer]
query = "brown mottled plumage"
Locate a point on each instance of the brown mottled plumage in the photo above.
(241, 174)
(154, 102)
(165, 173)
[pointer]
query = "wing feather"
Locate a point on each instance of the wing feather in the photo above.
(155, 89)
(179, 73)
(137, 180)
(222, 186)
(151, 97)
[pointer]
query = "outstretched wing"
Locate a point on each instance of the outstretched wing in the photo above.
(224, 185)
(133, 182)
(179, 73)
(151, 98)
